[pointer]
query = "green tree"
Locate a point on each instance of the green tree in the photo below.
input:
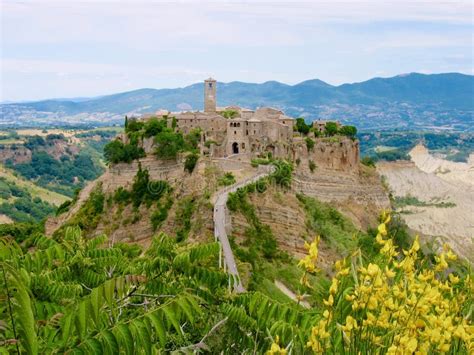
(154, 126)
(190, 162)
(301, 126)
(114, 151)
(349, 131)
(331, 129)
(168, 144)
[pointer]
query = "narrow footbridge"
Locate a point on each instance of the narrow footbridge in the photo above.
(221, 220)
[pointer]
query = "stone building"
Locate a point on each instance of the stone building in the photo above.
(245, 132)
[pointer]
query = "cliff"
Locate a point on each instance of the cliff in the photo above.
(337, 178)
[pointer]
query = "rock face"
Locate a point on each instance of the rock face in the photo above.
(286, 217)
(331, 153)
(339, 178)
(116, 224)
(17, 154)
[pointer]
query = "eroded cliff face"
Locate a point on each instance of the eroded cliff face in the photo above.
(287, 219)
(330, 153)
(125, 224)
(338, 177)
(56, 148)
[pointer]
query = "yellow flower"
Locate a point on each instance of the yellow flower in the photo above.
(275, 348)
(330, 301)
(351, 324)
(454, 279)
(309, 261)
(333, 288)
(389, 273)
(382, 229)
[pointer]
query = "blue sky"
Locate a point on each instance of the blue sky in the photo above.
(85, 48)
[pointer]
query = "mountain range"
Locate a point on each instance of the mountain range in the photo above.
(404, 101)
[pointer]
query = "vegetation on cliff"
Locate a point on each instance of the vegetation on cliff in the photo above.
(168, 142)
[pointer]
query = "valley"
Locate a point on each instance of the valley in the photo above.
(193, 228)
(438, 195)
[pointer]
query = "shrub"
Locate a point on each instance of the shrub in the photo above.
(309, 143)
(161, 213)
(396, 303)
(312, 165)
(368, 161)
(227, 179)
(190, 162)
(283, 172)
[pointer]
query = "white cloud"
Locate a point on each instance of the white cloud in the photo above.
(85, 46)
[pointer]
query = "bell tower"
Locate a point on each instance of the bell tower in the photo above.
(209, 95)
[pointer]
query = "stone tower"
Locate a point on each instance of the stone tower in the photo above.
(209, 95)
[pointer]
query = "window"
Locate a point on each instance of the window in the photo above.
(247, 132)
(235, 132)
(243, 145)
(254, 132)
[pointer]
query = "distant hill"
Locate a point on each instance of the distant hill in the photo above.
(411, 100)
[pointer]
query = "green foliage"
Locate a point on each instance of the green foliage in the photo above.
(329, 223)
(229, 114)
(161, 213)
(282, 174)
(88, 216)
(368, 161)
(392, 155)
(227, 179)
(331, 129)
(259, 237)
(312, 165)
(349, 131)
(455, 145)
(209, 142)
(301, 126)
(46, 170)
(89, 296)
(309, 143)
(133, 125)
(154, 126)
(20, 231)
(19, 205)
(145, 190)
(190, 162)
(184, 212)
(192, 140)
(260, 161)
(117, 152)
(169, 144)
(408, 200)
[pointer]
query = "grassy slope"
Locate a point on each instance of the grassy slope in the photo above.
(36, 191)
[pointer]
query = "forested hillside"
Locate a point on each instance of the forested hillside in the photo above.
(412, 101)
(43, 169)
